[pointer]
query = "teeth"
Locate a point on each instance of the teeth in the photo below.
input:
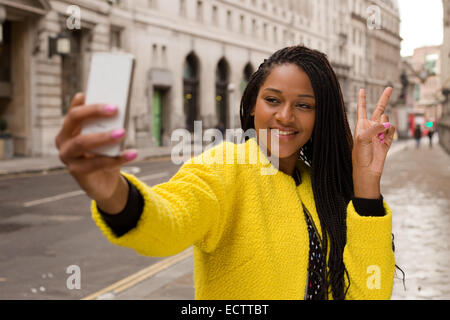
(285, 133)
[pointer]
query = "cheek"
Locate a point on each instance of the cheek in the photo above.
(309, 122)
(262, 116)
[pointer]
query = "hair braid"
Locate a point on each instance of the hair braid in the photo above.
(328, 153)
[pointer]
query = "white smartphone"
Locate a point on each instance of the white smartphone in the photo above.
(110, 82)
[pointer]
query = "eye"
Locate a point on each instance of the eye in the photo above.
(271, 100)
(304, 106)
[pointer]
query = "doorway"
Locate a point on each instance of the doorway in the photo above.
(222, 76)
(158, 119)
(190, 90)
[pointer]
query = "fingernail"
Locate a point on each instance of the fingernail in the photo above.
(382, 141)
(119, 133)
(381, 136)
(131, 155)
(110, 108)
(387, 125)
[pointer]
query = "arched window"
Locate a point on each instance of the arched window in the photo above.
(190, 90)
(222, 78)
(248, 71)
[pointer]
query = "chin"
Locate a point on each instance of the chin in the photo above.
(286, 152)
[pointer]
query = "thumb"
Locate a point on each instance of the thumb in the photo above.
(375, 131)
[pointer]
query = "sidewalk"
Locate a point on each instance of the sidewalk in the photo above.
(27, 165)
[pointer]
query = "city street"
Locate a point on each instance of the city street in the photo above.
(416, 184)
(45, 227)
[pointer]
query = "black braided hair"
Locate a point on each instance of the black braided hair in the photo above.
(328, 153)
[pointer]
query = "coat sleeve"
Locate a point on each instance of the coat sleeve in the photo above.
(369, 256)
(187, 210)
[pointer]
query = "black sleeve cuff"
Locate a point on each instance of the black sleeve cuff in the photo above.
(128, 218)
(369, 207)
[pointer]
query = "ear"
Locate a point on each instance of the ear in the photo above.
(253, 112)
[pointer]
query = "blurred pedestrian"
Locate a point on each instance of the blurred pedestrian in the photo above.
(430, 136)
(418, 135)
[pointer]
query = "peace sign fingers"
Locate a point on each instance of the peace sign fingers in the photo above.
(381, 105)
(361, 112)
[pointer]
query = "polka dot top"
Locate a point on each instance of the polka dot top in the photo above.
(316, 264)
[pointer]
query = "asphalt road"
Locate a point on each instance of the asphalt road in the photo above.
(46, 227)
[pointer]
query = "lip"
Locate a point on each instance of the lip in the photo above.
(285, 129)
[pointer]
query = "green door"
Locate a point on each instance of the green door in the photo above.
(157, 116)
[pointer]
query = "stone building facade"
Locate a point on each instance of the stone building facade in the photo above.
(426, 61)
(194, 57)
(444, 125)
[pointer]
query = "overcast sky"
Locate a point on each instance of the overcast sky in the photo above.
(421, 25)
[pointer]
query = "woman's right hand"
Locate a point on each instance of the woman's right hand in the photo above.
(97, 175)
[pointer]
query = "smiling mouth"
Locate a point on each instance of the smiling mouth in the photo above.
(284, 133)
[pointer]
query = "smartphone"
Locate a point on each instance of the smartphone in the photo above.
(110, 82)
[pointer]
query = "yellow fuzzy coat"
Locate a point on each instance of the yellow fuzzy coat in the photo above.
(248, 229)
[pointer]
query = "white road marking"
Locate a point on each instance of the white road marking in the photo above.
(154, 176)
(81, 192)
(54, 198)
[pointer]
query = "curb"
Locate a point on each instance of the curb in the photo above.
(50, 164)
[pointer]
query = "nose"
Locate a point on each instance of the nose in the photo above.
(285, 114)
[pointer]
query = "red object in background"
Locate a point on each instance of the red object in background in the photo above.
(412, 124)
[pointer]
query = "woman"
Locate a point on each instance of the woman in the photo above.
(316, 229)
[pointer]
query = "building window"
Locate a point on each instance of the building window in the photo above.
(417, 92)
(361, 66)
(214, 16)
(153, 4)
(183, 8)
(5, 55)
(254, 27)
(72, 67)
(155, 57)
(191, 90)
(242, 24)
(200, 11)
(115, 39)
(222, 78)
(164, 55)
(248, 71)
(229, 20)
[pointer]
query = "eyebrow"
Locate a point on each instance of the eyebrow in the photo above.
(300, 95)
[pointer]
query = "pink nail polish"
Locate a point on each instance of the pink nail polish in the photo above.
(131, 155)
(117, 134)
(382, 141)
(381, 136)
(110, 108)
(387, 125)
